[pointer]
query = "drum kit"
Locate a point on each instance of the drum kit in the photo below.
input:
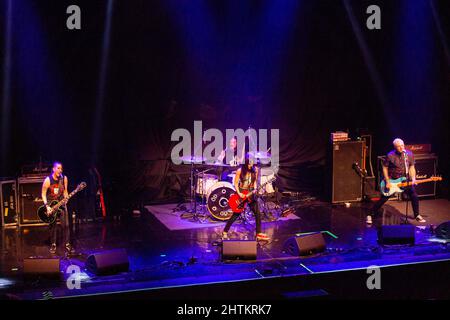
(209, 196)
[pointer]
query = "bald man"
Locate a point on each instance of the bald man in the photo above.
(394, 167)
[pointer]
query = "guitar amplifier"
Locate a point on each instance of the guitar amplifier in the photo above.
(29, 196)
(8, 203)
(426, 166)
(36, 170)
(417, 149)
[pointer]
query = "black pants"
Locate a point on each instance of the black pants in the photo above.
(411, 192)
(65, 227)
(254, 207)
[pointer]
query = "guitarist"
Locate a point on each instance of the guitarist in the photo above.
(398, 163)
(245, 180)
(55, 188)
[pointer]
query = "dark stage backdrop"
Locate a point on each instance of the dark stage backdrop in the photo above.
(300, 66)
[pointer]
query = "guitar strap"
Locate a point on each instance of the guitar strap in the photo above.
(61, 185)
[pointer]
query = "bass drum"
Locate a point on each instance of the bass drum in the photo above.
(217, 202)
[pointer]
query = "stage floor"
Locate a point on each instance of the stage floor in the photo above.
(165, 257)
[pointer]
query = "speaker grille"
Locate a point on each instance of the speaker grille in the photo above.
(346, 182)
(238, 250)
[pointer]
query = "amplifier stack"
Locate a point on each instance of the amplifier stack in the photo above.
(20, 198)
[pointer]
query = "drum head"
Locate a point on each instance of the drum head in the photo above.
(218, 200)
(205, 182)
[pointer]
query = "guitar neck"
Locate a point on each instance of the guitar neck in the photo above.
(261, 186)
(417, 182)
(60, 203)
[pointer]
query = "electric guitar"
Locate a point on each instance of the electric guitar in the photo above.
(237, 204)
(55, 206)
(398, 185)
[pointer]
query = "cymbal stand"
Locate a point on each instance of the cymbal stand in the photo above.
(195, 215)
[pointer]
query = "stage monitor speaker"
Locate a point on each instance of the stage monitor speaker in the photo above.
(346, 182)
(396, 234)
(305, 245)
(108, 262)
(443, 230)
(239, 250)
(8, 203)
(49, 268)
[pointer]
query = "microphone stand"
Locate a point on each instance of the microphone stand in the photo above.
(405, 159)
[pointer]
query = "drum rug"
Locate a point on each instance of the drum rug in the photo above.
(175, 217)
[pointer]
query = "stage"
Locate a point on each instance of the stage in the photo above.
(174, 258)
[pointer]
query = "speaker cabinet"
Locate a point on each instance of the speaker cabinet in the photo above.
(239, 250)
(396, 234)
(108, 262)
(29, 195)
(425, 168)
(8, 203)
(346, 181)
(42, 267)
(443, 230)
(370, 189)
(305, 245)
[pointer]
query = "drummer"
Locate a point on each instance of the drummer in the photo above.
(235, 161)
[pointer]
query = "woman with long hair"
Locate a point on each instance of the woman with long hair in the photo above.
(246, 180)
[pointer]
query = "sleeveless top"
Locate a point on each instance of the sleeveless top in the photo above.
(247, 183)
(56, 189)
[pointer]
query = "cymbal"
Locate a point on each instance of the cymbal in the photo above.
(218, 164)
(260, 155)
(192, 159)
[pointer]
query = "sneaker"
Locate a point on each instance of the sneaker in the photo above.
(262, 236)
(369, 220)
(69, 248)
(225, 236)
(53, 248)
(420, 219)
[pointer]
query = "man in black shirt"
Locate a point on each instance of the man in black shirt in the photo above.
(398, 163)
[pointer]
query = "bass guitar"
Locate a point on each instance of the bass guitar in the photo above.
(237, 204)
(55, 212)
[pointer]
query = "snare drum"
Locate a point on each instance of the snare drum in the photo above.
(217, 201)
(205, 182)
